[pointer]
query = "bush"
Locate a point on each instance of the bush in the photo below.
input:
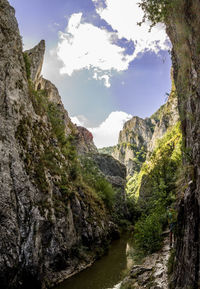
(105, 191)
(148, 233)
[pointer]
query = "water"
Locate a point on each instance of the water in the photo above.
(106, 273)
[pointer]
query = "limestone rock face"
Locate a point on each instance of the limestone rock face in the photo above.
(165, 117)
(45, 218)
(53, 94)
(36, 57)
(152, 273)
(115, 173)
(110, 168)
(135, 136)
(54, 97)
(85, 142)
(183, 27)
(139, 136)
(136, 131)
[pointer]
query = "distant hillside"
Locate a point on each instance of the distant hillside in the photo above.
(107, 150)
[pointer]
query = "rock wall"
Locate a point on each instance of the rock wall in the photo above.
(85, 142)
(183, 25)
(166, 116)
(152, 273)
(115, 173)
(36, 58)
(51, 224)
(134, 137)
(139, 136)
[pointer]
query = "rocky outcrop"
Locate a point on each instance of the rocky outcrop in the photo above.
(139, 136)
(85, 142)
(112, 169)
(115, 173)
(183, 26)
(152, 273)
(108, 167)
(165, 117)
(51, 225)
(36, 58)
(52, 93)
(137, 131)
(133, 141)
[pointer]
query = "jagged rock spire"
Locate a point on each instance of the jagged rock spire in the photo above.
(36, 56)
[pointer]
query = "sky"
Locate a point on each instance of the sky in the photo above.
(106, 67)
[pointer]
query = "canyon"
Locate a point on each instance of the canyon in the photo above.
(62, 202)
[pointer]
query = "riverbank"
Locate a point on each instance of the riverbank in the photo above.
(152, 274)
(108, 271)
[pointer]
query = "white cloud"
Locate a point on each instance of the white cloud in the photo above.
(106, 79)
(100, 75)
(76, 120)
(107, 133)
(80, 120)
(85, 46)
(123, 16)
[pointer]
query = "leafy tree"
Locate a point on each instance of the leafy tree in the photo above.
(157, 10)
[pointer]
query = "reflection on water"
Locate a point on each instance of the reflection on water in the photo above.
(106, 273)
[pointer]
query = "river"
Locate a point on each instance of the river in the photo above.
(105, 273)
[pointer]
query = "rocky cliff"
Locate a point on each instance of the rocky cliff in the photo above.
(133, 141)
(182, 20)
(52, 223)
(139, 136)
(183, 24)
(85, 142)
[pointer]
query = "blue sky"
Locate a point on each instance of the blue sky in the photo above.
(105, 66)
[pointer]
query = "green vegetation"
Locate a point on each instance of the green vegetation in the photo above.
(48, 151)
(171, 261)
(140, 157)
(94, 178)
(107, 150)
(148, 231)
(158, 114)
(154, 188)
(139, 153)
(27, 65)
(46, 148)
(157, 10)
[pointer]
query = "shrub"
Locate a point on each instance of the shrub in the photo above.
(105, 191)
(148, 233)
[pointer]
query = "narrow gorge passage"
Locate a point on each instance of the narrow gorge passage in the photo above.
(63, 200)
(107, 272)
